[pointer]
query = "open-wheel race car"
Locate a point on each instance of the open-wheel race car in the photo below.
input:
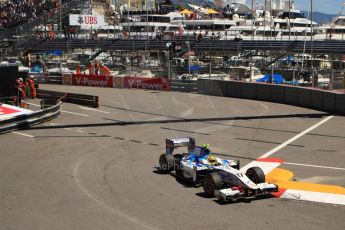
(219, 177)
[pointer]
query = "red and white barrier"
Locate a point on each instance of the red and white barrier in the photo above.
(146, 83)
(118, 82)
(92, 80)
(9, 111)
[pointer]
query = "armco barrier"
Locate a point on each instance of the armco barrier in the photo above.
(206, 87)
(277, 93)
(316, 99)
(304, 98)
(25, 121)
(326, 101)
(249, 90)
(291, 95)
(220, 89)
(79, 99)
(48, 94)
(263, 91)
(28, 116)
(340, 103)
(233, 88)
(183, 86)
(83, 99)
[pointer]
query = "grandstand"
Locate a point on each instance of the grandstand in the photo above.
(17, 12)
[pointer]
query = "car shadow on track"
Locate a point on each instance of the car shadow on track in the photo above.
(185, 183)
(189, 184)
(240, 200)
(183, 120)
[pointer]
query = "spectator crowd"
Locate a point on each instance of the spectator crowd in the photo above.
(15, 12)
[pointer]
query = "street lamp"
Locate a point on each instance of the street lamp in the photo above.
(60, 32)
(169, 47)
(311, 43)
(142, 30)
(188, 45)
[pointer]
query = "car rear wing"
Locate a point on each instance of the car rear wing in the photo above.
(171, 144)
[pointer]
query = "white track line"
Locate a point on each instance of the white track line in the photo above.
(269, 153)
(79, 114)
(265, 106)
(23, 134)
(314, 166)
(92, 109)
(34, 104)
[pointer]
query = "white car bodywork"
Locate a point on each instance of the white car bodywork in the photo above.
(196, 164)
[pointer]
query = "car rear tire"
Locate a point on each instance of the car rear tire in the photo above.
(212, 181)
(256, 175)
(166, 163)
(238, 163)
(178, 169)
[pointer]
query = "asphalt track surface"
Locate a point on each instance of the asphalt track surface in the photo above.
(95, 168)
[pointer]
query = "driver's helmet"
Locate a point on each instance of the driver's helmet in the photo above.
(212, 159)
(205, 149)
(205, 146)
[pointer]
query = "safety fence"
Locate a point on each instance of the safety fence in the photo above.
(316, 47)
(328, 101)
(43, 78)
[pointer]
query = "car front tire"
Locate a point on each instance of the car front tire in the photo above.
(212, 181)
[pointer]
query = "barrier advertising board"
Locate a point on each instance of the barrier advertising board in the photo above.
(146, 83)
(118, 82)
(92, 80)
(67, 79)
(86, 20)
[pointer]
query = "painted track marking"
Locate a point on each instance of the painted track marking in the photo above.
(92, 109)
(321, 193)
(281, 146)
(314, 166)
(23, 134)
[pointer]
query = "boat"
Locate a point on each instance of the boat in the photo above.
(333, 31)
(245, 73)
(150, 25)
(286, 23)
(215, 75)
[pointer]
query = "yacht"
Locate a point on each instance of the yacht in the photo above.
(285, 24)
(150, 25)
(205, 27)
(333, 31)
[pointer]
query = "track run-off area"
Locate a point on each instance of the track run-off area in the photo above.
(95, 168)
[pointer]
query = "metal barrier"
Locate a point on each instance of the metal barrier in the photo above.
(328, 101)
(317, 47)
(25, 121)
(183, 86)
(79, 99)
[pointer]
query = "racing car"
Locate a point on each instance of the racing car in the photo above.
(219, 177)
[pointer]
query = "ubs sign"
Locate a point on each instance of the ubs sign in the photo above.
(86, 20)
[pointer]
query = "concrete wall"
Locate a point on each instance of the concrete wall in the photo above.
(304, 97)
